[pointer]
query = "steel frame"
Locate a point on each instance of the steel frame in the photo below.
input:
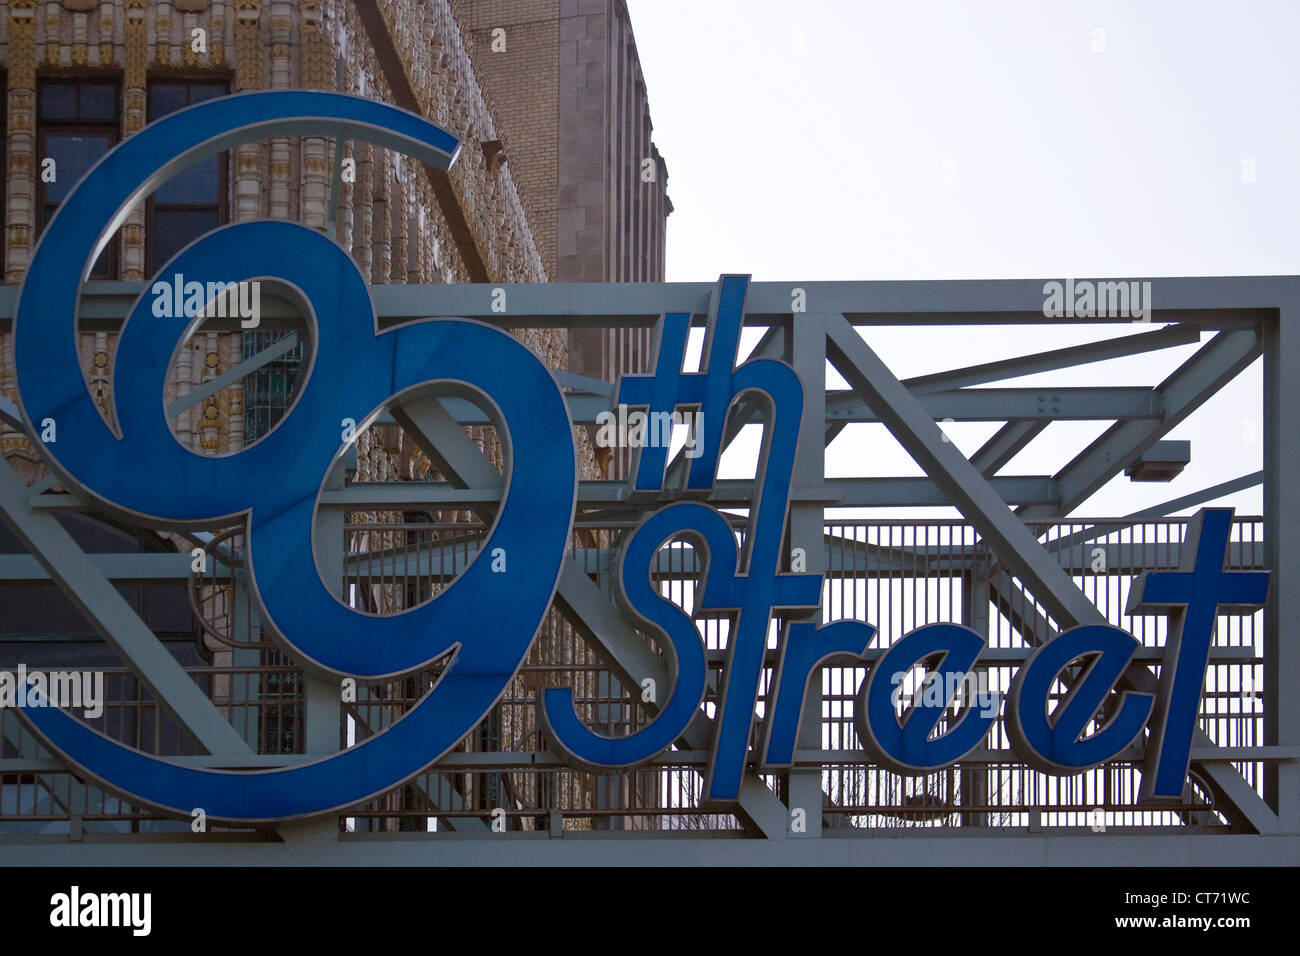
(1244, 317)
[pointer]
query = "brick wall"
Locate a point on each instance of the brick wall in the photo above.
(513, 45)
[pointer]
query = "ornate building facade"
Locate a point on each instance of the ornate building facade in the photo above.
(82, 75)
(565, 83)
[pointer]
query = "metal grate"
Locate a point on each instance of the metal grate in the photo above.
(896, 574)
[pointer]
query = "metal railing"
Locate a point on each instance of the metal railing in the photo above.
(895, 574)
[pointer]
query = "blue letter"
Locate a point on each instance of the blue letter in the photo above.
(1054, 744)
(1193, 597)
(906, 747)
(804, 649)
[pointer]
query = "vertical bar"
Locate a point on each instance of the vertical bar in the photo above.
(242, 627)
(806, 344)
(974, 780)
(1282, 550)
(321, 697)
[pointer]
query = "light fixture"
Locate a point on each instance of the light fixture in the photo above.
(1163, 461)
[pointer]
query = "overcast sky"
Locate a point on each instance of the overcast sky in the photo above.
(1014, 139)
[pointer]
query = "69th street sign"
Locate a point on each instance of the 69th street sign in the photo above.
(486, 620)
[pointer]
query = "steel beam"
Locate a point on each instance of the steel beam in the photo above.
(504, 761)
(440, 436)
(962, 405)
(1207, 303)
(1197, 498)
(31, 752)
(1018, 608)
(806, 531)
(972, 493)
(432, 428)
(1282, 517)
(1054, 360)
(322, 699)
(1009, 441)
(145, 568)
(590, 611)
(838, 557)
(1013, 543)
(1237, 305)
(1165, 508)
(1196, 380)
(234, 375)
(1015, 404)
(114, 619)
(727, 493)
(631, 661)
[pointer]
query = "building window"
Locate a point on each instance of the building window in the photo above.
(267, 390)
(78, 123)
(192, 202)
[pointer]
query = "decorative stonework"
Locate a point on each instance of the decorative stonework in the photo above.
(315, 56)
(217, 33)
(52, 21)
(250, 74)
(20, 192)
(107, 33)
(82, 21)
(162, 31)
(364, 211)
(250, 70)
(389, 218)
(134, 106)
(191, 57)
(281, 165)
(435, 57)
(15, 447)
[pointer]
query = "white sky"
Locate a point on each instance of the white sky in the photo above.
(951, 140)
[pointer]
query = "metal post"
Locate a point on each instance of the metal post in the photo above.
(807, 525)
(1282, 547)
(974, 778)
(322, 699)
(243, 625)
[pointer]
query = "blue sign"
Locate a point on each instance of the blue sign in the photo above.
(486, 620)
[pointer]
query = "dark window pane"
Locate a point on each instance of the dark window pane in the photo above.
(103, 268)
(58, 101)
(174, 229)
(206, 91)
(165, 98)
(98, 102)
(197, 185)
(73, 154)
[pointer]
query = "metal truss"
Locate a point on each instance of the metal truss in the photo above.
(1026, 560)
